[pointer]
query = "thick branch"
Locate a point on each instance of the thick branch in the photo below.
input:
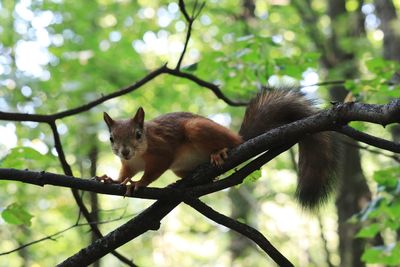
(325, 120)
(147, 220)
(47, 178)
(276, 138)
(237, 177)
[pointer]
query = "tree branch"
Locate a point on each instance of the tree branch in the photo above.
(79, 201)
(330, 119)
(213, 87)
(190, 20)
(50, 118)
(149, 219)
(241, 228)
(369, 139)
(170, 192)
(59, 115)
(52, 236)
(238, 177)
(325, 120)
(276, 141)
(395, 157)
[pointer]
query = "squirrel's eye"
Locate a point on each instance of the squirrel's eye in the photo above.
(138, 135)
(111, 139)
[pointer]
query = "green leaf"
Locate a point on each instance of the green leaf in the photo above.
(22, 158)
(191, 67)
(368, 231)
(253, 177)
(388, 255)
(16, 214)
(351, 85)
(388, 177)
(393, 212)
(245, 38)
(312, 56)
(359, 125)
(375, 64)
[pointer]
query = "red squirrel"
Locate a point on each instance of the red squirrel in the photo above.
(180, 141)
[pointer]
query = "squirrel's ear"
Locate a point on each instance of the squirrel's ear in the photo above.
(139, 117)
(109, 121)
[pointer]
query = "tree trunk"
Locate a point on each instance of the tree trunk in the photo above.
(353, 191)
(389, 25)
(391, 42)
(241, 208)
(352, 196)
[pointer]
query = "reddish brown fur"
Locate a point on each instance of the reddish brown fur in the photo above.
(206, 134)
(125, 172)
(180, 141)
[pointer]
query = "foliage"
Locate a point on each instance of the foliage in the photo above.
(16, 214)
(382, 218)
(32, 158)
(380, 73)
(80, 50)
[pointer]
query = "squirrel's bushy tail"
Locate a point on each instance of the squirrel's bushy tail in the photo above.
(271, 109)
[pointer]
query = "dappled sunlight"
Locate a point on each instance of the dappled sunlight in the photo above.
(64, 63)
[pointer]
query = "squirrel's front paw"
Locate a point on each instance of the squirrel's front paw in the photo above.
(219, 157)
(132, 186)
(105, 179)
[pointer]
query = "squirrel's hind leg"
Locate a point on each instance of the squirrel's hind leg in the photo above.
(211, 137)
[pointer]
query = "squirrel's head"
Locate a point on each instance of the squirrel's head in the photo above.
(127, 137)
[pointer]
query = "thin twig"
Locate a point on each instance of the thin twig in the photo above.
(190, 20)
(196, 15)
(369, 139)
(182, 8)
(188, 34)
(78, 199)
(324, 83)
(50, 118)
(213, 87)
(52, 236)
(324, 240)
(241, 228)
(373, 151)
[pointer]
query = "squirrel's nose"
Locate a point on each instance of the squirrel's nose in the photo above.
(125, 152)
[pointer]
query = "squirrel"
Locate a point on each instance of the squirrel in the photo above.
(180, 141)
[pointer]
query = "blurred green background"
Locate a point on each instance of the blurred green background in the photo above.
(56, 55)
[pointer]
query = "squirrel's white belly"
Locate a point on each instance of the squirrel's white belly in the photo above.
(136, 163)
(187, 158)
